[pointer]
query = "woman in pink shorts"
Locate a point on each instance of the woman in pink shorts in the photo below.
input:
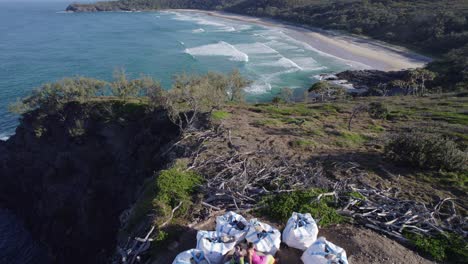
(257, 259)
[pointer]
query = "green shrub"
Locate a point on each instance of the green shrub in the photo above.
(176, 185)
(280, 207)
(378, 110)
(448, 249)
(164, 192)
(425, 150)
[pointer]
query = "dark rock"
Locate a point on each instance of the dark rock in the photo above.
(370, 78)
(69, 175)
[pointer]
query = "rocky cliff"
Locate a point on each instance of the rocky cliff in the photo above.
(69, 174)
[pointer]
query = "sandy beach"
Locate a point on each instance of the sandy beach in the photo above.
(357, 51)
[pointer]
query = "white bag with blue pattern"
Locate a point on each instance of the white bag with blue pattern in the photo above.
(192, 256)
(232, 224)
(215, 245)
(324, 252)
(301, 231)
(265, 238)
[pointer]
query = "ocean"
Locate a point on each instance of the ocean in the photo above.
(40, 43)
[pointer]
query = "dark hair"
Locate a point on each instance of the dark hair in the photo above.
(250, 245)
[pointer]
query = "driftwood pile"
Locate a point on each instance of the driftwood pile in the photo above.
(238, 180)
(383, 211)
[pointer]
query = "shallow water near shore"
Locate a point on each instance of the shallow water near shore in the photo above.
(40, 43)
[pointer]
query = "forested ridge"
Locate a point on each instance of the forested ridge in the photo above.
(438, 28)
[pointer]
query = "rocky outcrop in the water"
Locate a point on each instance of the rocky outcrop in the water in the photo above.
(371, 78)
(98, 7)
(70, 174)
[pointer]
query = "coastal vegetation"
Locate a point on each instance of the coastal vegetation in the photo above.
(281, 207)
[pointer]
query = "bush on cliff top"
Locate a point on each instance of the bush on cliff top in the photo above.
(448, 248)
(427, 151)
(280, 207)
(163, 193)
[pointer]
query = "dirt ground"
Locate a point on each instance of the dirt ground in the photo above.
(249, 133)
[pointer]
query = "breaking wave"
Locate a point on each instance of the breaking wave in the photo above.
(256, 48)
(219, 49)
(4, 137)
(198, 30)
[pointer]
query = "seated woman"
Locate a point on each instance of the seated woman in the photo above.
(254, 258)
(238, 256)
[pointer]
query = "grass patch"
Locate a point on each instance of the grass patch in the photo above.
(450, 249)
(164, 192)
(280, 207)
(302, 144)
(350, 139)
(330, 108)
(451, 117)
(376, 128)
(220, 115)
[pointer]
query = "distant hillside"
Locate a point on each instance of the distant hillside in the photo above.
(434, 27)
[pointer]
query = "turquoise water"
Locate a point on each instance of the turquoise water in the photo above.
(40, 44)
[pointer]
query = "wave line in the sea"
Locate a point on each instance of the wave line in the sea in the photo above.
(219, 49)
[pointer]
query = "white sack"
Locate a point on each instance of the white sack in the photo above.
(192, 256)
(232, 224)
(212, 245)
(265, 238)
(300, 231)
(324, 252)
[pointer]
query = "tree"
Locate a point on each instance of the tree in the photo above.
(377, 110)
(236, 86)
(286, 94)
(402, 84)
(192, 95)
(277, 101)
(52, 96)
(419, 77)
(153, 90)
(320, 88)
(122, 87)
(356, 111)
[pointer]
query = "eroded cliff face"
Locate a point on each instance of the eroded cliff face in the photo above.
(69, 175)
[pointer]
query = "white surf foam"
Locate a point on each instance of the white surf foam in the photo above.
(258, 87)
(226, 29)
(256, 48)
(5, 137)
(219, 49)
(282, 62)
(198, 30)
(201, 21)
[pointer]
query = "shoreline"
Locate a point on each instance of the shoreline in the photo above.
(359, 52)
